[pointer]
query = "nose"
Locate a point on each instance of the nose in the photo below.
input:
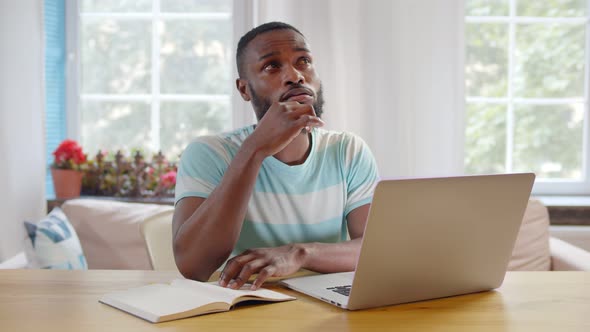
(293, 76)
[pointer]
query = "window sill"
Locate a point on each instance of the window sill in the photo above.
(567, 210)
(51, 203)
(563, 210)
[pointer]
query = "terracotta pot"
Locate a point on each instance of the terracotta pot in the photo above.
(67, 183)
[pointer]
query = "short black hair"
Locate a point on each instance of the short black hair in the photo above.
(250, 35)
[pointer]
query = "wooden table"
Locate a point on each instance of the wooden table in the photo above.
(43, 301)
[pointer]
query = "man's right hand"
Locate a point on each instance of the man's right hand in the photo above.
(281, 124)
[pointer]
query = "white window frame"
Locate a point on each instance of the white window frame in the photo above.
(243, 18)
(542, 186)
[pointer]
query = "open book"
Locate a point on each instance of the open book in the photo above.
(184, 298)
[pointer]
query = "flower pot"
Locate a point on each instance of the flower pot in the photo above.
(67, 183)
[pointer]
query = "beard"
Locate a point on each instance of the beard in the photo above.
(261, 105)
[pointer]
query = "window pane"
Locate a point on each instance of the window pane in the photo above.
(113, 6)
(486, 8)
(486, 68)
(182, 122)
(110, 126)
(548, 140)
(195, 57)
(185, 6)
(551, 8)
(115, 56)
(485, 138)
(549, 61)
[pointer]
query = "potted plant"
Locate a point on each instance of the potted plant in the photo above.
(66, 169)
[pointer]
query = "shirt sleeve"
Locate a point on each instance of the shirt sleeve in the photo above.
(201, 168)
(361, 174)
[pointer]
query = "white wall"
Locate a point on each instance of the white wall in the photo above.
(392, 72)
(22, 170)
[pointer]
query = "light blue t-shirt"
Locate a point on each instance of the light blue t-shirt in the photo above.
(289, 204)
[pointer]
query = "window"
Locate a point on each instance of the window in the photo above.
(527, 91)
(152, 75)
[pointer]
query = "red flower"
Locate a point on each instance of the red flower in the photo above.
(168, 180)
(68, 155)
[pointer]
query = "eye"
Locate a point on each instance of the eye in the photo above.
(271, 66)
(304, 61)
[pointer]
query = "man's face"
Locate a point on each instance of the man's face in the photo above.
(278, 66)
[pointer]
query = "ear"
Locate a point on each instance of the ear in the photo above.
(242, 86)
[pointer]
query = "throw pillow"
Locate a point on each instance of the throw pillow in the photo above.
(53, 244)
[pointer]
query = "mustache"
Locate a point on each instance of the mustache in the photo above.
(300, 89)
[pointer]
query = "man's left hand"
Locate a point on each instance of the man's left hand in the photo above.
(266, 262)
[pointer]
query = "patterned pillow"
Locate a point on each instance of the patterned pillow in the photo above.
(54, 244)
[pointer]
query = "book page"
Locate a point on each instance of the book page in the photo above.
(231, 296)
(158, 302)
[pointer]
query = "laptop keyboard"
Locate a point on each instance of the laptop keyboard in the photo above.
(344, 290)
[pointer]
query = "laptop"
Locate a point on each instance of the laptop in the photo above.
(429, 238)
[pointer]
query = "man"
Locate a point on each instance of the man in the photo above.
(280, 195)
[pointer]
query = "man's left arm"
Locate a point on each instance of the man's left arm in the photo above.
(288, 259)
(342, 256)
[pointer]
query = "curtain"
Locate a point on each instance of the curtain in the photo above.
(22, 164)
(392, 73)
(54, 21)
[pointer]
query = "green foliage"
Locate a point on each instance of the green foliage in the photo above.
(548, 140)
(485, 139)
(195, 57)
(181, 122)
(486, 67)
(486, 7)
(116, 59)
(551, 8)
(549, 62)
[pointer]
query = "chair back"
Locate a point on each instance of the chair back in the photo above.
(157, 234)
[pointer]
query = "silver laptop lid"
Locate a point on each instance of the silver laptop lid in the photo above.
(437, 237)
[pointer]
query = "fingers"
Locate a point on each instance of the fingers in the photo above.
(259, 266)
(305, 117)
(296, 110)
(239, 269)
(233, 268)
(308, 121)
(266, 262)
(264, 274)
(248, 269)
(282, 123)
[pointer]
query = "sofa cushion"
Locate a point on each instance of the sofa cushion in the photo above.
(52, 243)
(531, 251)
(18, 261)
(109, 231)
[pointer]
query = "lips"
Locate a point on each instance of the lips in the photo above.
(298, 94)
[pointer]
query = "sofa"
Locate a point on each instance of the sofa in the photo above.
(110, 236)
(109, 233)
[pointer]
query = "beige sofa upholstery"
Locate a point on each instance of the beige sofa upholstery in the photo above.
(531, 250)
(567, 257)
(110, 233)
(537, 250)
(157, 234)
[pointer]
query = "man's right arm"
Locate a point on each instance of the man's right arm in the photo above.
(205, 231)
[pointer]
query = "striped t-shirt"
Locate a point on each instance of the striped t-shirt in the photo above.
(290, 204)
